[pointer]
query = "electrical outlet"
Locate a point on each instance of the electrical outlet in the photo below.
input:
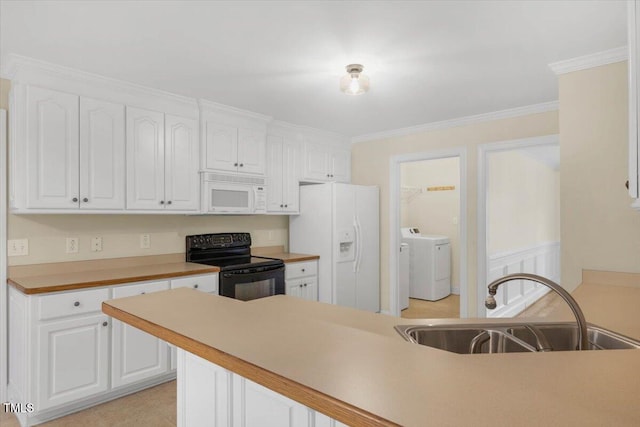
(17, 247)
(455, 220)
(96, 244)
(270, 235)
(145, 241)
(72, 245)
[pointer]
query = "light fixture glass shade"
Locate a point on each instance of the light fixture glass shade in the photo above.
(354, 82)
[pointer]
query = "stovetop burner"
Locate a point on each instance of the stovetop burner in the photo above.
(229, 251)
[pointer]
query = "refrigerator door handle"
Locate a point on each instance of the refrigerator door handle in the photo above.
(359, 244)
(357, 249)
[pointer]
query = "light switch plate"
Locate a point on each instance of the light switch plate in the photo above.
(18, 247)
(145, 241)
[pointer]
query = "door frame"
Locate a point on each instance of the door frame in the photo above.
(394, 222)
(4, 315)
(483, 228)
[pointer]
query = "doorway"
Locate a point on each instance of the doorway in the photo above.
(428, 193)
(518, 220)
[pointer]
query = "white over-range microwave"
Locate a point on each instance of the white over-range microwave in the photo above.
(227, 194)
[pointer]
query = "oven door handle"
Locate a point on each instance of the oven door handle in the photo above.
(229, 274)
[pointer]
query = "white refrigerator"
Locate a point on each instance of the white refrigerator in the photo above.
(340, 222)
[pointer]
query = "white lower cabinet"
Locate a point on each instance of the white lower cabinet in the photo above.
(76, 364)
(211, 396)
(65, 354)
(136, 355)
(301, 279)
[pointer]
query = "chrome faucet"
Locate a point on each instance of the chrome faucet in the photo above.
(490, 301)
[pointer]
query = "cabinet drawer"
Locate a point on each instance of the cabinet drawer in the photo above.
(204, 283)
(71, 303)
(300, 269)
(140, 288)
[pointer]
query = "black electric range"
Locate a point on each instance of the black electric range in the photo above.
(242, 276)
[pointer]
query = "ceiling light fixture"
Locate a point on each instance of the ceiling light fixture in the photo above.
(354, 82)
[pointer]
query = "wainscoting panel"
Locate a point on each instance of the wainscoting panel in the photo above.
(515, 296)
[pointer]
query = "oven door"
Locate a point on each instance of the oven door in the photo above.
(253, 283)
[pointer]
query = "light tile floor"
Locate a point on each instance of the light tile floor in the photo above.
(448, 307)
(153, 407)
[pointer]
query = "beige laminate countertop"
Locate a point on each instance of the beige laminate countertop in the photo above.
(352, 366)
(64, 276)
(278, 252)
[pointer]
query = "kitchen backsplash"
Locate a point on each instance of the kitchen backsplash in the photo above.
(121, 234)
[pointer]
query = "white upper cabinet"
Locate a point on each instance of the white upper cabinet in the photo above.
(221, 147)
(162, 161)
(75, 152)
(52, 149)
(232, 149)
(145, 159)
(282, 175)
(182, 186)
(251, 151)
(634, 101)
(102, 145)
(326, 163)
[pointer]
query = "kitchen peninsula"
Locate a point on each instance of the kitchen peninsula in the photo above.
(353, 367)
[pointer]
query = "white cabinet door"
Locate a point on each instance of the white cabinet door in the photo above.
(204, 393)
(145, 159)
(257, 406)
(316, 163)
(310, 288)
(136, 355)
(275, 197)
(73, 360)
(290, 177)
(293, 288)
(221, 147)
(182, 184)
(52, 149)
(102, 160)
(251, 151)
(340, 170)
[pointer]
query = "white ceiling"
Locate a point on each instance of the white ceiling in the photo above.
(428, 61)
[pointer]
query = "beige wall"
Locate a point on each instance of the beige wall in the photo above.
(433, 212)
(523, 202)
(370, 166)
(121, 233)
(599, 229)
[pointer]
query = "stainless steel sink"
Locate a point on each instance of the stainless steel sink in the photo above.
(512, 337)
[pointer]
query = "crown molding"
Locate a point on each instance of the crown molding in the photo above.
(597, 59)
(215, 107)
(24, 69)
(461, 121)
(279, 125)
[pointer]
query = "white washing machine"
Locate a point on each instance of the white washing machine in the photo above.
(429, 264)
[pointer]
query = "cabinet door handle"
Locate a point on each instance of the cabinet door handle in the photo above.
(74, 200)
(328, 176)
(105, 323)
(235, 164)
(303, 270)
(169, 202)
(142, 293)
(241, 165)
(162, 202)
(195, 286)
(85, 200)
(76, 304)
(286, 206)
